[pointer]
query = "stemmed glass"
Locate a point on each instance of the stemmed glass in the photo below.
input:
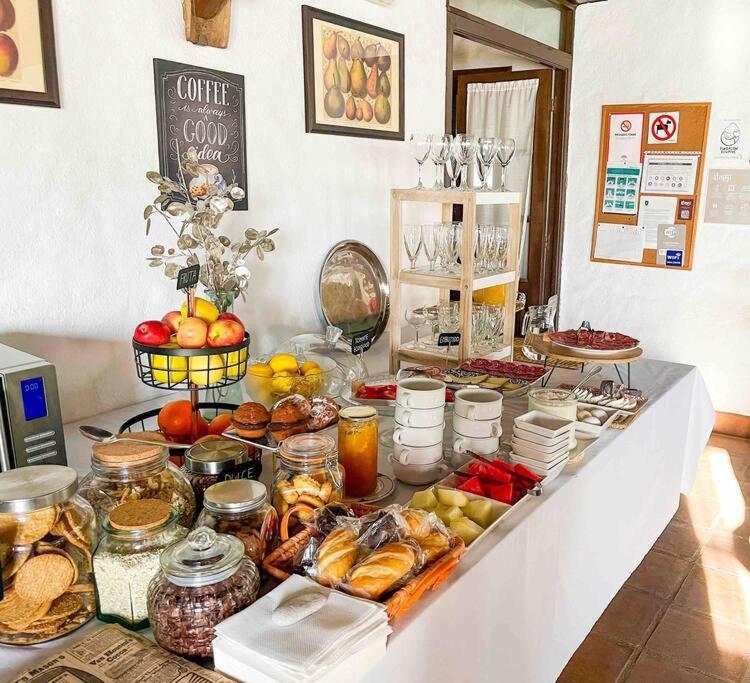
(430, 239)
(452, 239)
(440, 150)
(420, 149)
(486, 150)
(482, 244)
(501, 246)
(412, 243)
(464, 149)
(453, 167)
(449, 319)
(416, 319)
(506, 148)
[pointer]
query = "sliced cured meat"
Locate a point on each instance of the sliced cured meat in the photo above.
(598, 340)
(516, 372)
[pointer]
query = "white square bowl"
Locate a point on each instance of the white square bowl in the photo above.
(529, 450)
(543, 424)
(526, 435)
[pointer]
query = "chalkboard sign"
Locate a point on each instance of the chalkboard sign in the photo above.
(188, 277)
(205, 109)
(361, 341)
(449, 339)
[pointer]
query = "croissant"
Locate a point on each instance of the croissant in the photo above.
(380, 571)
(419, 523)
(336, 556)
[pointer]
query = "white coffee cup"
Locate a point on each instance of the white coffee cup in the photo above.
(418, 475)
(419, 417)
(479, 429)
(488, 446)
(411, 455)
(478, 404)
(418, 436)
(420, 392)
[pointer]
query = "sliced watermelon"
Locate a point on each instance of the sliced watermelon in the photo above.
(502, 465)
(527, 473)
(501, 492)
(517, 495)
(473, 485)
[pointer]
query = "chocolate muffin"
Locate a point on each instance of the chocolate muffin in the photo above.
(289, 417)
(251, 420)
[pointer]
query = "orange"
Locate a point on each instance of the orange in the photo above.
(220, 423)
(176, 421)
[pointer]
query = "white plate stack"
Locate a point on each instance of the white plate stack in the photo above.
(542, 442)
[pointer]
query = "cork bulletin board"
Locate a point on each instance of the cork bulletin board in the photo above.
(651, 159)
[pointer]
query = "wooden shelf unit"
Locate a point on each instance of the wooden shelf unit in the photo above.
(466, 282)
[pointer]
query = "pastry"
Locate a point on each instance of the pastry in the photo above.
(289, 416)
(419, 523)
(324, 412)
(336, 556)
(382, 570)
(251, 420)
(434, 545)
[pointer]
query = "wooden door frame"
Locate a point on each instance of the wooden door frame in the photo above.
(473, 28)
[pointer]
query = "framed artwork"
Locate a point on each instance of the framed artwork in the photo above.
(28, 67)
(354, 77)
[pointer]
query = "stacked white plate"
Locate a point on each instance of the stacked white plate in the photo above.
(541, 442)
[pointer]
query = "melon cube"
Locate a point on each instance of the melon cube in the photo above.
(452, 497)
(467, 530)
(448, 513)
(424, 500)
(479, 511)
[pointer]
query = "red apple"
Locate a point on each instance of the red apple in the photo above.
(172, 320)
(192, 333)
(225, 333)
(230, 316)
(152, 333)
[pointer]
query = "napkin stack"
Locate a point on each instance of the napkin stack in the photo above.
(340, 641)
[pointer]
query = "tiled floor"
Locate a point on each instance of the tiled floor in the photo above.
(683, 616)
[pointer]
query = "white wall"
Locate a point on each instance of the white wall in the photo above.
(630, 51)
(75, 282)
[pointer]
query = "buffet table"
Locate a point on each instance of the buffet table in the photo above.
(526, 595)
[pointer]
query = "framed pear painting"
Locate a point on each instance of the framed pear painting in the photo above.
(354, 77)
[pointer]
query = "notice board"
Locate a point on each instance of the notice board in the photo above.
(651, 159)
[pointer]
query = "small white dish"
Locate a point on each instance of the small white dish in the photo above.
(538, 466)
(540, 440)
(480, 429)
(531, 451)
(543, 424)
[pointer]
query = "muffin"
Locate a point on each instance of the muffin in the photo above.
(251, 420)
(289, 417)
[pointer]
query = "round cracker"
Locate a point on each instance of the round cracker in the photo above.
(32, 526)
(20, 555)
(62, 553)
(41, 627)
(16, 613)
(62, 608)
(44, 578)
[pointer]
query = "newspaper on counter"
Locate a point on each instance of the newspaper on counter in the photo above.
(113, 655)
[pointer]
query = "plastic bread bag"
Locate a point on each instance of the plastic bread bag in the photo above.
(337, 553)
(384, 526)
(428, 531)
(330, 516)
(304, 559)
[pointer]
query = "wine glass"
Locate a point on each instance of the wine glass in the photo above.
(464, 148)
(486, 151)
(412, 243)
(454, 233)
(449, 319)
(420, 149)
(501, 246)
(416, 318)
(430, 243)
(453, 167)
(482, 246)
(506, 148)
(440, 150)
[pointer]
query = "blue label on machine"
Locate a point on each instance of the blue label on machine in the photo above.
(32, 395)
(674, 257)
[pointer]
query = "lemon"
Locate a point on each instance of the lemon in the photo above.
(283, 362)
(205, 370)
(308, 366)
(282, 382)
(237, 362)
(258, 369)
(204, 310)
(168, 369)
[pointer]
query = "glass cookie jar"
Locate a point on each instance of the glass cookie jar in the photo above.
(125, 471)
(127, 558)
(47, 535)
(240, 508)
(204, 579)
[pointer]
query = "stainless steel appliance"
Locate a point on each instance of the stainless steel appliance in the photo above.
(31, 432)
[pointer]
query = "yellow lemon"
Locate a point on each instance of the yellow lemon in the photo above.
(237, 362)
(168, 369)
(205, 370)
(282, 382)
(308, 366)
(204, 310)
(283, 362)
(259, 369)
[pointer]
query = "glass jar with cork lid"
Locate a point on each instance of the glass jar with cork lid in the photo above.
(127, 558)
(125, 471)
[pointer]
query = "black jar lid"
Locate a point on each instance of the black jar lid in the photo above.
(215, 457)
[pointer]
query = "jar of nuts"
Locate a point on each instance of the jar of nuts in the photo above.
(308, 475)
(204, 579)
(241, 509)
(124, 471)
(47, 534)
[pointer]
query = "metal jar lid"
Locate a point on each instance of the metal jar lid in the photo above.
(215, 457)
(236, 495)
(38, 486)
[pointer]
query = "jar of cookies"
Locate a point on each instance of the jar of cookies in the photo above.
(241, 509)
(124, 471)
(204, 579)
(308, 475)
(47, 535)
(127, 558)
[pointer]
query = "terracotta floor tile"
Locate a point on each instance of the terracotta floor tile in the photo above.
(660, 574)
(649, 669)
(630, 617)
(681, 540)
(727, 552)
(717, 593)
(598, 660)
(738, 448)
(696, 641)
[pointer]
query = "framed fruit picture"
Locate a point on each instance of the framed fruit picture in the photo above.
(354, 77)
(28, 68)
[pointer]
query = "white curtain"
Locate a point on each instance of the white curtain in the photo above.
(506, 110)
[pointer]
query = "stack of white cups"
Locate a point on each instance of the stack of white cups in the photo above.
(418, 434)
(476, 421)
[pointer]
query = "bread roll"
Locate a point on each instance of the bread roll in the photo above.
(383, 569)
(434, 545)
(419, 523)
(336, 556)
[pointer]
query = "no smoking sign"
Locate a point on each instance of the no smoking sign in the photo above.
(663, 128)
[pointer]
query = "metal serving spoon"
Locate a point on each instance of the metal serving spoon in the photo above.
(103, 436)
(594, 371)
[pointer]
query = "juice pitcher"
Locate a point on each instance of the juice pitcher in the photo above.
(537, 321)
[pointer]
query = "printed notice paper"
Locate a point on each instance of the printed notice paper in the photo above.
(625, 136)
(653, 212)
(669, 173)
(621, 189)
(617, 242)
(670, 248)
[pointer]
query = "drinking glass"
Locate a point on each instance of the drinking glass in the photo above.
(430, 314)
(453, 167)
(420, 149)
(464, 149)
(412, 243)
(430, 241)
(416, 318)
(482, 247)
(506, 148)
(486, 150)
(449, 319)
(478, 324)
(501, 246)
(453, 241)
(440, 150)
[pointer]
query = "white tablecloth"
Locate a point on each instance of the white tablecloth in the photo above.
(523, 599)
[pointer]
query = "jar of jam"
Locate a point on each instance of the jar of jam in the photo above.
(358, 449)
(204, 579)
(241, 509)
(210, 462)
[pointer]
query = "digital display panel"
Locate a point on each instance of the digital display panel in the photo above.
(34, 402)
